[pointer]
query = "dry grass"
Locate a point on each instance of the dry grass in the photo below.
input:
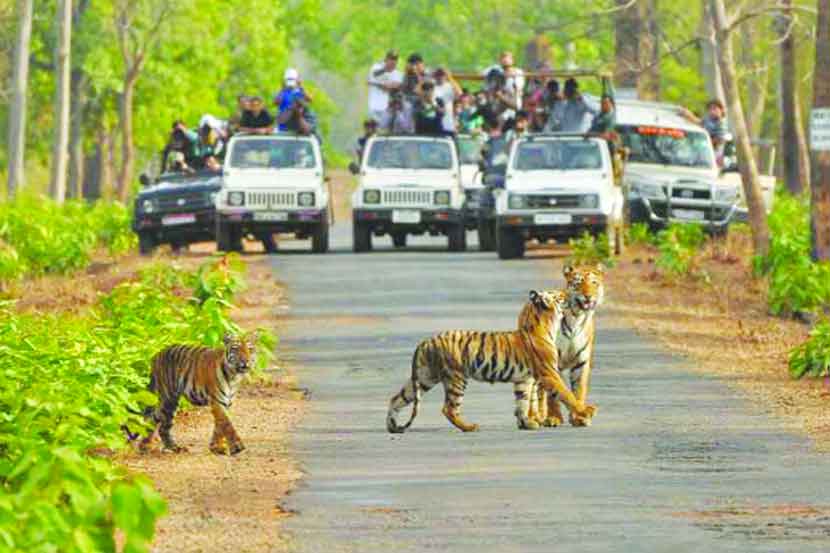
(719, 320)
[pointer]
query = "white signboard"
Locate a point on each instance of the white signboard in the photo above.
(820, 130)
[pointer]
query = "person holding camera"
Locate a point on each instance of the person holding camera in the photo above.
(413, 79)
(384, 79)
(292, 91)
(429, 112)
(449, 91)
(397, 119)
(299, 118)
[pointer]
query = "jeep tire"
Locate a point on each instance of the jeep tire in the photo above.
(509, 243)
(457, 238)
(399, 239)
(320, 236)
(486, 235)
(146, 243)
(228, 238)
(361, 237)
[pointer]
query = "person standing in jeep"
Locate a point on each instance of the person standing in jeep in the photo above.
(384, 79)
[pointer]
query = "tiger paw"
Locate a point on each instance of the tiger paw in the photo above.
(587, 412)
(237, 447)
(528, 425)
(577, 420)
(174, 448)
(552, 422)
(470, 428)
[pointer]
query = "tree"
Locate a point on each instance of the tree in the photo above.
(821, 158)
(629, 47)
(17, 111)
(60, 151)
(794, 152)
(709, 56)
(746, 158)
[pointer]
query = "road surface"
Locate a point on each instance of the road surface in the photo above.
(673, 462)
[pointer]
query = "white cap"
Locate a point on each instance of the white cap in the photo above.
(291, 76)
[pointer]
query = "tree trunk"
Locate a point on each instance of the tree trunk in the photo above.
(757, 80)
(76, 135)
(627, 39)
(709, 56)
(794, 153)
(746, 157)
(60, 147)
(821, 159)
(649, 85)
(17, 109)
(125, 115)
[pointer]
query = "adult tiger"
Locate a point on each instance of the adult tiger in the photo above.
(523, 356)
(205, 376)
(585, 291)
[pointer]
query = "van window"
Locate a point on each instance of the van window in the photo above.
(562, 155)
(409, 154)
(272, 154)
(667, 146)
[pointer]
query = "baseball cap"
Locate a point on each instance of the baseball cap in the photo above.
(291, 76)
(392, 55)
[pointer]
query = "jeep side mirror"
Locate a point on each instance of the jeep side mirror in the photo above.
(144, 180)
(354, 169)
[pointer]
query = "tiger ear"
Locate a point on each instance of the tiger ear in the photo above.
(568, 270)
(600, 268)
(227, 339)
(253, 338)
(533, 296)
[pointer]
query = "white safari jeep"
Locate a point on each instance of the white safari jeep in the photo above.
(557, 187)
(273, 184)
(408, 185)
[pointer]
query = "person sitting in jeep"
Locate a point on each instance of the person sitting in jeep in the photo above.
(182, 141)
(299, 118)
(256, 119)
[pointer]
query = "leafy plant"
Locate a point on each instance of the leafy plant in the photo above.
(69, 382)
(812, 358)
(679, 246)
(589, 249)
(639, 234)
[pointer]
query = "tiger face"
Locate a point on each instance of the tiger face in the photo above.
(543, 306)
(240, 352)
(548, 301)
(584, 286)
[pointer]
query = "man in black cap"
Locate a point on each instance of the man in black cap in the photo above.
(384, 78)
(413, 78)
(574, 114)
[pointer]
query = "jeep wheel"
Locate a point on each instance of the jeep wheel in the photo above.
(509, 243)
(486, 235)
(146, 243)
(268, 243)
(457, 238)
(228, 238)
(361, 237)
(399, 239)
(320, 238)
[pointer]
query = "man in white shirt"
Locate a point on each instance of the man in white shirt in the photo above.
(383, 79)
(449, 91)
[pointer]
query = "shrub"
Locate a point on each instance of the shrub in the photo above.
(69, 383)
(639, 234)
(679, 246)
(589, 250)
(812, 358)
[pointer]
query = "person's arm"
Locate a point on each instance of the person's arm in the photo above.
(507, 99)
(689, 116)
(456, 88)
(374, 74)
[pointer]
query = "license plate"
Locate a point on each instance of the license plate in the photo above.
(183, 219)
(688, 214)
(406, 216)
(270, 216)
(553, 218)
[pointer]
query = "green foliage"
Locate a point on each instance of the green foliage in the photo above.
(812, 358)
(639, 234)
(678, 246)
(38, 236)
(590, 250)
(796, 283)
(69, 383)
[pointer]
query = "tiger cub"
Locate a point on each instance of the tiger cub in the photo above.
(522, 357)
(205, 376)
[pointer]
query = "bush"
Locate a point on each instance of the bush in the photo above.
(39, 236)
(812, 358)
(69, 383)
(590, 250)
(796, 283)
(639, 234)
(679, 245)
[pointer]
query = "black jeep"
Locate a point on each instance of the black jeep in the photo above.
(176, 209)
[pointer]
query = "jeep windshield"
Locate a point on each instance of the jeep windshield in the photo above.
(469, 150)
(667, 146)
(277, 153)
(557, 155)
(410, 154)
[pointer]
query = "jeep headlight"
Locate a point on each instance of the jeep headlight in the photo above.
(371, 196)
(305, 199)
(147, 206)
(588, 201)
(236, 198)
(727, 195)
(516, 201)
(648, 190)
(442, 197)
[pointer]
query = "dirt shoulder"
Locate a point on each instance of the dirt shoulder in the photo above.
(722, 325)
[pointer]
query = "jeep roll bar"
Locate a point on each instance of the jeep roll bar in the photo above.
(601, 74)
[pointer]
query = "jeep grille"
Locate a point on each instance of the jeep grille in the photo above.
(407, 197)
(270, 199)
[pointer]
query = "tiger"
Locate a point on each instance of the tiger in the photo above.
(585, 291)
(205, 376)
(523, 356)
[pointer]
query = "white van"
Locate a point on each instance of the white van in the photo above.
(671, 172)
(557, 187)
(408, 185)
(273, 184)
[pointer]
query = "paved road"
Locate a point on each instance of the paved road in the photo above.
(674, 462)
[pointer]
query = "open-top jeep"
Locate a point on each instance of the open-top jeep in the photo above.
(273, 184)
(408, 185)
